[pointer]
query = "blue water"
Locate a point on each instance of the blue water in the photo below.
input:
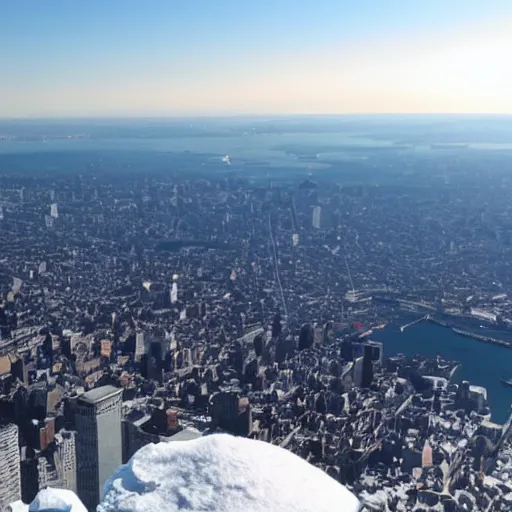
(482, 364)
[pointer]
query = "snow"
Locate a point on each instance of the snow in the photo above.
(218, 473)
(17, 506)
(222, 473)
(56, 500)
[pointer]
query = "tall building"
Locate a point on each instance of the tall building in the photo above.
(55, 466)
(377, 350)
(426, 455)
(98, 441)
(174, 293)
(317, 212)
(67, 458)
(139, 346)
(224, 410)
(306, 337)
(367, 376)
(347, 350)
(358, 372)
(29, 472)
(54, 211)
(10, 480)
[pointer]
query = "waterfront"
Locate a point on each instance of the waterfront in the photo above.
(481, 363)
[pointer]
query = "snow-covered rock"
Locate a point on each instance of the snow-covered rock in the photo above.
(218, 473)
(56, 500)
(222, 473)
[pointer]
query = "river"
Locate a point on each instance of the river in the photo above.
(482, 364)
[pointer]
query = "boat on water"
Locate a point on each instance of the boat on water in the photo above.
(506, 382)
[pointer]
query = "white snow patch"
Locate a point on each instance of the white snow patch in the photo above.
(56, 500)
(17, 506)
(222, 473)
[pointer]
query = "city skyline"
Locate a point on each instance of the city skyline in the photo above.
(123, 59)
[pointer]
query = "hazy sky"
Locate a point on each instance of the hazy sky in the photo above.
(181, 57)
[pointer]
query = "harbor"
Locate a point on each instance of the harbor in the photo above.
(483, 364)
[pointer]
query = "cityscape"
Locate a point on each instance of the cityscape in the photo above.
(256, 256)
(162, 306)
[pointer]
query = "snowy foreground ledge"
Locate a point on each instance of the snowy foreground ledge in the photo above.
(51, 500)
(219, 473)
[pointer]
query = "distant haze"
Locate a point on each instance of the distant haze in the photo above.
(232, 57)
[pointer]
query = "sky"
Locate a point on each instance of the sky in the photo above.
(62, 58)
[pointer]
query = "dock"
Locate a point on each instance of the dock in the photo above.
(460, 332)
(438, 322)
(480, 337)
(422, 319)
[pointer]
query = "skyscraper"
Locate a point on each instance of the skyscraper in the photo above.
(98, 441)
(317, 212)
(306, 337)
(67, 454)
(174, 289)
(367, 376)
(174, 293)
(358, 372)
(139, 346)
(10, 481)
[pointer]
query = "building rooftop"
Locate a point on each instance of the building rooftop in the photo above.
(187, 434)
(99, 394)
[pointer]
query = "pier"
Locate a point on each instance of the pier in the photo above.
(480, 337)
(422, 319)
(460, 332)
(438, 322)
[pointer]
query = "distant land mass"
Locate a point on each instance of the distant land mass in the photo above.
(340, 147)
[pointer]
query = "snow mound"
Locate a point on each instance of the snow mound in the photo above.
(17, 506)
(56, 500)
(222, 473)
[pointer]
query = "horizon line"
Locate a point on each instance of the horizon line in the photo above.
(164, 117)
